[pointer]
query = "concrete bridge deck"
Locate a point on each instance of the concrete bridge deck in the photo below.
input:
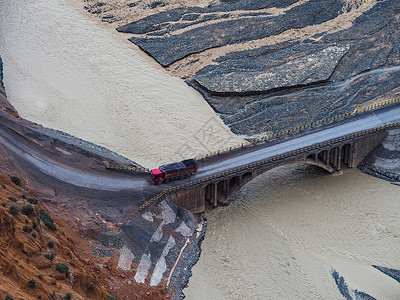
(346, 141)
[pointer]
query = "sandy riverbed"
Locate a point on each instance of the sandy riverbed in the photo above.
(66, 72)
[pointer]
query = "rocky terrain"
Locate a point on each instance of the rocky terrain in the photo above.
(271, 65)
(46, 258)
(262, 65)
(266, 66)
(106, 248)
(384, 161)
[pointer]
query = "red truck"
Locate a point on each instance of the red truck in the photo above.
(168, 172)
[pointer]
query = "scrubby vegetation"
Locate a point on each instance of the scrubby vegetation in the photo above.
(14, 210)
(33, 201)
(27, 228)
(50, 256)
(62, 268)
(47, 220)
(28, 210)
(16, 180)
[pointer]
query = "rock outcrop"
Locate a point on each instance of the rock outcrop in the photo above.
(266, 65)
(4, 104)
(384, 161)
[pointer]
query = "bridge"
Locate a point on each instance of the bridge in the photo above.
(344, 140)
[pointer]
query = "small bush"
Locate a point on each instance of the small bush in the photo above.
(33, 201)
(40, 276)
(34, 235)
(32, 283)
(47, 220)
(62, 268)
(14, 210)
(23, 196)
(27, 209)
(68, 296)
(27, 228)
(4, 204)
(16, 180)
(9, 298)
(110, 297)
(90, 286)
(50, 244)
(3, 186)
(51, 275)
(12, 199)
(50, 256)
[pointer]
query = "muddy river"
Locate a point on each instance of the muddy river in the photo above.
(286, 231)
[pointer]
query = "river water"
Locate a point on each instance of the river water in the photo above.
(65, 71)
(285, 232)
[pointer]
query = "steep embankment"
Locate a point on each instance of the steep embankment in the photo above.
(42, 253)
(100, 208)
(4, 104)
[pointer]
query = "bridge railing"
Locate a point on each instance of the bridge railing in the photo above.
(266, 161)
(302, 127)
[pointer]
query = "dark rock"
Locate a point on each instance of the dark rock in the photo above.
(1, 72)
(291, 83)
(346, 292)
(169, 49)
(395, 274)
(96, 8)
(156, 4)
(342, 285)
(299, 65)
(111, 18)
(133, 4)
(384, 160)
(362, 296)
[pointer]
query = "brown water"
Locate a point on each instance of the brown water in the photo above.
(286, 230)
(66, 72)
(283, 232)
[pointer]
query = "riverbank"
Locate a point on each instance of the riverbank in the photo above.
(166, 239)
(123, 247)
(105, 92)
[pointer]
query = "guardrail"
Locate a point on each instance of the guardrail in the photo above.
(86, 145)
(302, 127)
(266, 161)
(128, 168)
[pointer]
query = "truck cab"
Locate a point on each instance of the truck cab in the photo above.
(157, 176)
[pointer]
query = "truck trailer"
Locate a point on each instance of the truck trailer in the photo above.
(177, 170)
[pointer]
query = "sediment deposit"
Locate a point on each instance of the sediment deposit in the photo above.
(266, 66)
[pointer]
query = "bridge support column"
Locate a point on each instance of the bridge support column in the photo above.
(227, 189)
(328, 157)
(215, 195)
(339, 159)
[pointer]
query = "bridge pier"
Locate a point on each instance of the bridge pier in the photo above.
(330, 157)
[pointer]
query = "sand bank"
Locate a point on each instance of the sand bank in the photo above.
(66, 72)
